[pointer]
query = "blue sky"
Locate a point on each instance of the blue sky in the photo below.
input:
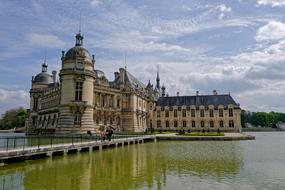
(235, 46)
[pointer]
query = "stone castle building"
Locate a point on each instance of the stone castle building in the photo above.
(85, 100)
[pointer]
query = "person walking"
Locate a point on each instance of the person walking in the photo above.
(110, 133)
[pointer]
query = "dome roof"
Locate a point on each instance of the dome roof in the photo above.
(43, 78)
(77, 50)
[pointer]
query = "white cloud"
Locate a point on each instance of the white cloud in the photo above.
(273, 3)
(223, 9)
(46, 40)
(273, 30)
(12, 99)
(95, 3)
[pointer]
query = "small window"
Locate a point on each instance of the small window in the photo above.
(202, 124)
(166, 113)
(192, 112)
(158, 113)
(183, 113)
(193, 124)
(158, 123)
(175, 124)
(175, 113)
(221, 124)
(231, 112)
(201, 113)
(184, 123)
(211, 113)
(211, 124)
(231, 124)
(221, 113)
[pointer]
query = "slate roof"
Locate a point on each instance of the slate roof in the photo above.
(135, 83)
(205, 100)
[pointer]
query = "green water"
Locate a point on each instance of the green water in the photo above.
(258, 164)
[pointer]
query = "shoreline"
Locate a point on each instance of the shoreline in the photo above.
(227, 137)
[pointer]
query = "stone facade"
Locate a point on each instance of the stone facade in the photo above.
(197, 113)
(85, 100)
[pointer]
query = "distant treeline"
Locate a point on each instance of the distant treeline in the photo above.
(13, 118)
(261, 118)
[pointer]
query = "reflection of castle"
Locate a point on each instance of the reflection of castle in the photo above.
(130, 167)
(84, 100)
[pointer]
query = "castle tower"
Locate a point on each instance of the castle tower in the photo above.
(77, 83)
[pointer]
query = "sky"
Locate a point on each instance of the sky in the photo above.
(232, 46)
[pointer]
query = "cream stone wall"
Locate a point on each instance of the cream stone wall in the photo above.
(160, 115)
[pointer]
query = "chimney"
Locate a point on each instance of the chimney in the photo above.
(117, 74)
(177, 93)
(197, 93)
(122, 75)
(54, 76)
(215, 92)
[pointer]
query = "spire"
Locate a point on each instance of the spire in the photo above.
(44, 65)
(79, 36)
(157, 79)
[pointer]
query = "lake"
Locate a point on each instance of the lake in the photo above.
(255, 164)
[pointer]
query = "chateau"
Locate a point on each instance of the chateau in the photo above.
(85, 100)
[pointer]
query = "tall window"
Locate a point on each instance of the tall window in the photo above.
(193, 124)
(158, 123)
(175, 124)
(201, 113)
(184, 123)
(221, 113)
(77, 118)
(221, 124)
(192, 113)
(202, 124)
(166, 113)
(231, 124)
(184, 113)
(211, 113)
(118, 103)
(175, 113)
(35, 104)
(231, 112)
(54, 119)
(166, 123)
(212, 124)
(78, 91)
(150, 123)
(158, 113)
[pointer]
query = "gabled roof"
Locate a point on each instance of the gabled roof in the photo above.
(205, 100)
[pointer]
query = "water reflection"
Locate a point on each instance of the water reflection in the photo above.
(130, 167)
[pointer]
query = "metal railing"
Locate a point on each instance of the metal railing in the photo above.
(24, 142)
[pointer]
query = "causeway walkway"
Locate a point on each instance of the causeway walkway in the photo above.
(33, 152)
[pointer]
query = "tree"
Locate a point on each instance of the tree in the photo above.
(13, 118)
(261, 118)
